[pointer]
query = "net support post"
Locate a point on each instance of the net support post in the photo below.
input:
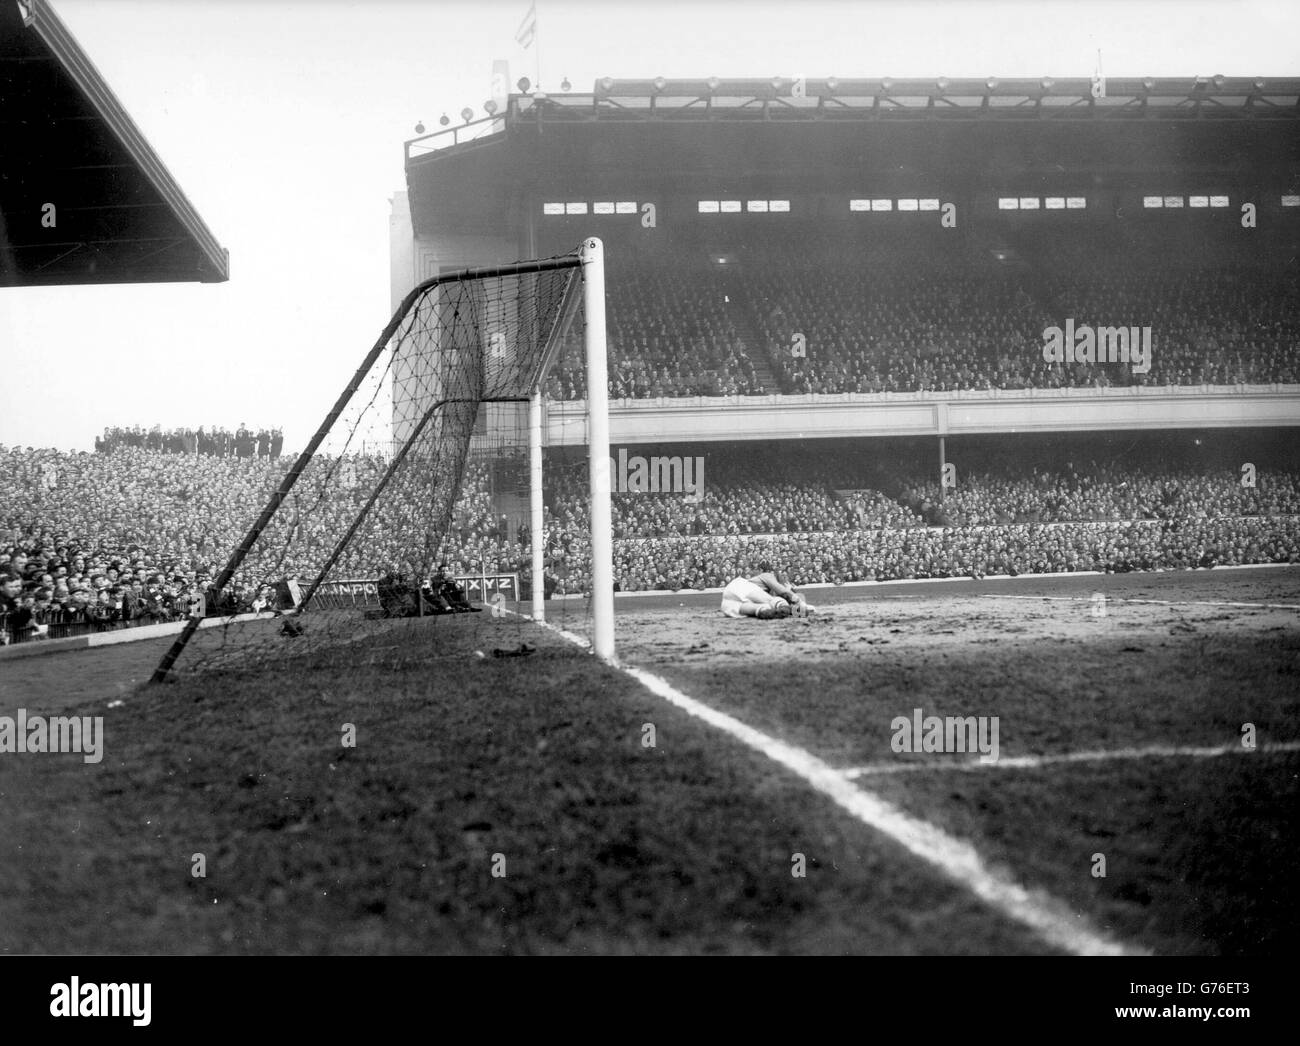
(602, 540)
(535, 518)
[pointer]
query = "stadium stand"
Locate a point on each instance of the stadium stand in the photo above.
(916, 314)
(215, 440)
(668, 336)
(136, 536)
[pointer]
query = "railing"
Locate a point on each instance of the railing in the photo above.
(473, 131)
(1080, 392)
(61, 624)
(57, 623)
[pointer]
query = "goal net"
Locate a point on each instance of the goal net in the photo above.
(419, 495)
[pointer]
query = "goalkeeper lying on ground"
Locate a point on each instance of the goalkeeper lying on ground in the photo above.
(766, 595)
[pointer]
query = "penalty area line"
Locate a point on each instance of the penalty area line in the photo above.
(1153, 602)
(1052, 920)
(1030, 762)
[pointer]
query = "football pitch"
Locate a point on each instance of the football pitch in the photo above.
(747, 787)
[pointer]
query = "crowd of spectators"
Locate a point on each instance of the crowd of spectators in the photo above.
(1221, 319)
(945, 322)
(943, 315)
(918, 320)
(1103, 517)
(138, 535)
(1105, 493)
(171, 521)
(976, 552)
(1098, 516)
(51, 586)
(669, 334)
(213, 441)
(747, 493)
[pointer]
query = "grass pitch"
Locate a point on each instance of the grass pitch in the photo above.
(512, 805)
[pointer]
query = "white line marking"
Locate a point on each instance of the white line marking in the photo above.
(1054, 921)
(956, 859)
(1155, 602)
(134, 634)
(1056, 574)
(169, 628)
(1023, 762)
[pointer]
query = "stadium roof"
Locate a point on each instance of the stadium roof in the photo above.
(119, 216)
(756, 135)
(993, 98)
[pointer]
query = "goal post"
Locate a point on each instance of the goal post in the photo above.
(602, 530)
(536, 510)
(379, 483)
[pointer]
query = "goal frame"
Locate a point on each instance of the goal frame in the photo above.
(590, 261)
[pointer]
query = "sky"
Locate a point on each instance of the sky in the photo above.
(284, 120)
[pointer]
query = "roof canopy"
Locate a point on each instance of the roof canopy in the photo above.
(782, 99)
(83, 197)
(914, 137)
(941, 98)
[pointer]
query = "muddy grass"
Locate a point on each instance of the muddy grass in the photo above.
(610, 846)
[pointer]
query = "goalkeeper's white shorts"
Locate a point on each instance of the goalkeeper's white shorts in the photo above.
(742, 590)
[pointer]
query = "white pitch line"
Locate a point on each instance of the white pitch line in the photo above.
(958, 860)
(1030, 762)
(1155, 602)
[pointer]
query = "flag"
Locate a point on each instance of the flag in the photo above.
(528, 27)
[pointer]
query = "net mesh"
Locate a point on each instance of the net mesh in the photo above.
(418, 480)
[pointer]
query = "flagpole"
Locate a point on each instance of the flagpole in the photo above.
(537, 42)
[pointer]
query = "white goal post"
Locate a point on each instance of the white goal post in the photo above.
(602, 530)
(592, 257)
